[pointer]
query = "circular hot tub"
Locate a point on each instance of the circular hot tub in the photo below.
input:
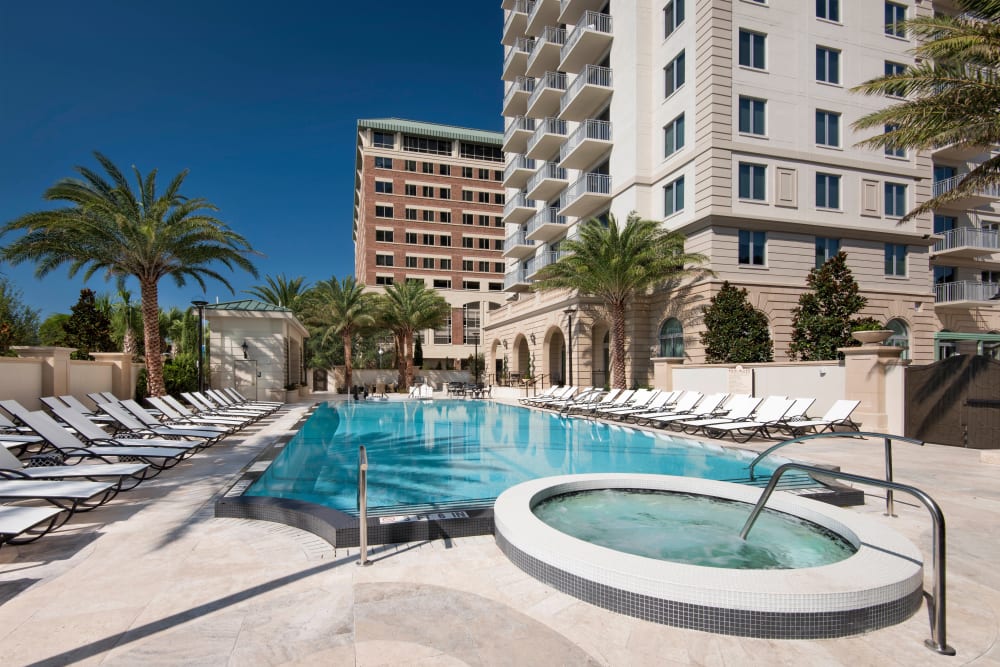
(880, 584)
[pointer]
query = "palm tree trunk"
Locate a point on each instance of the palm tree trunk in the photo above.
(400, 359)
(151, 333)
(408, 354)
(348, 366)
(129, 343)
(618, 345)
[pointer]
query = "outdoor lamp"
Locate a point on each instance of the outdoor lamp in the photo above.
(246, 349)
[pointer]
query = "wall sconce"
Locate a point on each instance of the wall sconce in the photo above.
(532, 336)
(246, 350)
(505, 344)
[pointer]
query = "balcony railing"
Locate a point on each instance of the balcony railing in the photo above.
(549, 170)
(594, 21)
(545, 54)
(522, 47)
(517, 238)
(971, 237)
(966, 290)
(550, 82)
(519, 124)
(547, 216)
(518, 276)
(520, 7)
(589, 184)
(590, 88)
(522, 84)
(519, 200)
(949, 184)
(597, 130)
(519, 162)
(551, 129)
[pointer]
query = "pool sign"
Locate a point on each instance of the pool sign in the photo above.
(409, 518)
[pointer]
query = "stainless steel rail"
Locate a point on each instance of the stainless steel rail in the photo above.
(363, 506)
(938, 641)
(888, 438)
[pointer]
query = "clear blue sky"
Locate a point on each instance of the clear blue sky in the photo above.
(259, 100)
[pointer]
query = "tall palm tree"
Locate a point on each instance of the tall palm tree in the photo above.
(953, 94)
(280, 291)
(615, 264)
(406, 308)
(120, 231)
(340, 308)
(126, 321)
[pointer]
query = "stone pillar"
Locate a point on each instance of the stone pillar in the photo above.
(663, 371)
(121, 376)
(55, 366)
(864, 380)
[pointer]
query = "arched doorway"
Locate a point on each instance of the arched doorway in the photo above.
(521, 359)
(555, 356)
(601, 362)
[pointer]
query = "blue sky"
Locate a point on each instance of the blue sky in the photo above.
(259, 100)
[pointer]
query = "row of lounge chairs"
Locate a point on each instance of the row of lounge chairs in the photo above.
(738, 416)
(78, 458)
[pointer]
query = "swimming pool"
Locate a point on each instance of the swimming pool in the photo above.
(451, 453)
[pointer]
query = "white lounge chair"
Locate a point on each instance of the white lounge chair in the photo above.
(839, 414)
(131, 427)
(707, 407)
(32, 522)
(767, 416)
(125, 475)
(737, 409)
(683, 405)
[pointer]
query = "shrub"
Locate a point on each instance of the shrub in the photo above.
(825, 315)
(736, 332)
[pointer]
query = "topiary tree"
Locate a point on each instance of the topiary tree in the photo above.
(824, 318)
(736, 331)
(88, 329)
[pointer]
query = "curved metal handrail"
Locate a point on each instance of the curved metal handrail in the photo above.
(938, 641)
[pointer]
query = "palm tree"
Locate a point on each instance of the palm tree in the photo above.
(126, 321)
(280, 291)
(110, 227)
(340, 308)
(406, 308)
(615, 264)
(953, 94)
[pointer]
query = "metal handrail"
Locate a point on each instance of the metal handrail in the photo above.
(548, 81)
(938, 641)
(948, 184)
(975, 237)
(854, 434)
(519, 123)
(965, 290)
(363, 506)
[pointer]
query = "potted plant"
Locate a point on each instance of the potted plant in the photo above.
(869, 331)
(291, 392)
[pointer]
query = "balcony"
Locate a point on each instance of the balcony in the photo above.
(588, 193)
(515, 100)
(570, 11)
(590, 141)
(545, 55)
(547, 182)
(590, 90)
(549, 135)
(516, 60)
(518, 209)
(516, 22)
(547, 225)
(960, 152)
(966, 294)
(587, 42)
(517, 173)
(544, 100)
(966, 243)
(517, 280)
(518, 246)
(544, 13)
(979, 197)
(517, 134)
(541, 261)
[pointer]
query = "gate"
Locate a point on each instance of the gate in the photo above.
(319, 379)
(955, 401)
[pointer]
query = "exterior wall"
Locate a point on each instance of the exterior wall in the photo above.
(48, 371)
(21, 380)
(86, 377)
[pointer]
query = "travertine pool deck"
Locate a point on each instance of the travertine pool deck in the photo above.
(155, 579)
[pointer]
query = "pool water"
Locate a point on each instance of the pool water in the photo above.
(691, 529)
(463, 452)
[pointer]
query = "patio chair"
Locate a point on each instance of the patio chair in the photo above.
(602, 400)
(706, 407)
(225, 401)
(682, 406)
(654, 404)
(121, 474)
(33, 522)
(130, 426)
(800, 406)
(619, 401)
(593, 397)
(91, 433)
(69, 495)
(738, 409)
(186, 413)
(638, 397)
(240, 398)
(203, 404)
(568, 393)
(582, 394)
(149, 420)
(51, 402)
(551, 392)
(839, 414)
(740, 431)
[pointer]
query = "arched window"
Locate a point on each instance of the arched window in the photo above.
(900, 336)
(672, 338)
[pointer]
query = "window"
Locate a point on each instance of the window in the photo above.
(481, 152)
(752, 114)
(484, 267)
(440, 283)
(411, 262)
(411, 237)
(467, 195)
(445, 241)
(752, 250)
(497, 175)
(827, 128)
(673, 136)
(827, 65)
(428, 216)
(484, 244)
(827, 191)
(497, 221)
(444, 216)
(990, 276)
(673, 16)
(428, 262)
(445, 265)
(410, 190)
(411, 214)
(484, 174)
(384, 235)
(894, 17)
(498, 267)
(944, 274)
(895, 200)
(410, 165)
(495, 287)
(752, 180)
(825, 249)
(444, 169)
(466, 172)
(383, 211)
(498, 244)
(384, 140)
(672, 338)
(498, 198)
(468, 218)
(467, 264)
(470, 284)
(890, 151)
(895, 259)
(444, 193)
(828, 9)
(424, 145)
(900, 336)
(484, 221)
(894, 69)
(426, 190)
(467, 242)
(383, 280)
(428, 239)
(383, 162)
(484, 197)
(442, 335)
(383, 260)
(673, 197)
(752, 49)
(944, 223)
(673, 75)
(383, 187)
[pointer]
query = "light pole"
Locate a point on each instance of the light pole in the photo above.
(200, 305)
(569, 345)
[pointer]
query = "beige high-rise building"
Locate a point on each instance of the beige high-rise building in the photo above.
(731, 122)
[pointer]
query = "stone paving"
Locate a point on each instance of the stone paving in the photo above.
(155, 579)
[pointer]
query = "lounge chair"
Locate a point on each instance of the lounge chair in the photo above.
(205, 405)
(92, 434)
(129, 426)
(33, 522)
(683, 405)
(706, 407)
(620, 401)
(639, 398)
(593, 397)
(583, 394)
(797, 412)
(569, 393)
(125, 475)
(767, 416)
(225, 401)
(839, 414)
(548, 393)
(240, 398)
(51, 402)
(150, 421)
(602, 400)
(70, 495)
(656, 404)
(235, 420)
(738, 409)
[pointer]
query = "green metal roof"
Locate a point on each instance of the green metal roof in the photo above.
(432, 130)
(247, 304)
